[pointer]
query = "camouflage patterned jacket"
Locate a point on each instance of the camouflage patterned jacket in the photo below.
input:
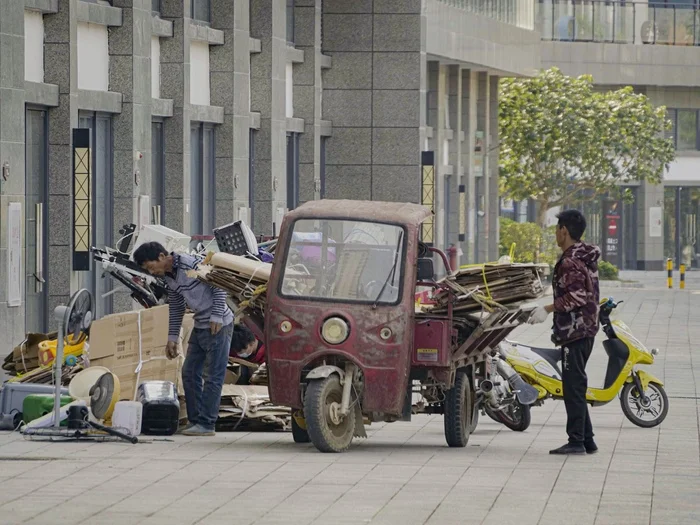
(576, 294)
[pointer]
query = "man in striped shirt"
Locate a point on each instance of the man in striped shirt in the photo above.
(210, 340)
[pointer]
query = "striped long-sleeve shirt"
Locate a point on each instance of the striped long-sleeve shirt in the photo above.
(208, 303)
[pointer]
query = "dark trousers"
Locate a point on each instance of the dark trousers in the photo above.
(203, 387)
(574, 356)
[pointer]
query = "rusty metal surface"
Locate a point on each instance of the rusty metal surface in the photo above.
(384, 364)
(373, 211)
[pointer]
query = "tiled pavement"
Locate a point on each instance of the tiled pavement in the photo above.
(403, 474)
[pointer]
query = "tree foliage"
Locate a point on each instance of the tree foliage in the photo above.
(560, 137)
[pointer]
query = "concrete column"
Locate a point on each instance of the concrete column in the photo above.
(61, 68)
(483, 122)
(130, 74)
(493, 194)
(650, 250)
(372, 94)
(12, 154)
(455, 108)
(441, 155)
(230, 88)
(267, 71)
(175, 85)
(308, 93)
(470, 91)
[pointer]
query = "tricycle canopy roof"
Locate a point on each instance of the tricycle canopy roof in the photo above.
(372, 211)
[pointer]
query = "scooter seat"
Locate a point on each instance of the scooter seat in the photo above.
(551, 355)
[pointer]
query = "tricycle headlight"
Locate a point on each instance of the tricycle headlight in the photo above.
(335, 330)
(654, 352)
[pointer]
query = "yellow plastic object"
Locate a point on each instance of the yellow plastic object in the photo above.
(47, 351)
(80, 385)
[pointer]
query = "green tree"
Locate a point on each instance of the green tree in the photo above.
(559, 137)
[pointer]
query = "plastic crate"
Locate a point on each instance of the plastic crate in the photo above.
(236, 238)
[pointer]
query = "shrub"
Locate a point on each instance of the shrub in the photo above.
(527, 237)
(607, 271)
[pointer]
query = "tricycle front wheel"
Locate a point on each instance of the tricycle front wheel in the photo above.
(328, 430)
(459, 406)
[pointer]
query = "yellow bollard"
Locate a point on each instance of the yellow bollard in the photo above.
(682, 276)
(669, 269)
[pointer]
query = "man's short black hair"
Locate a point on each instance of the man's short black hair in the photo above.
(574, 222)
(149, 252)
(242, 337)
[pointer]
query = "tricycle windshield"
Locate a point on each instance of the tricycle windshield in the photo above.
(344, 260)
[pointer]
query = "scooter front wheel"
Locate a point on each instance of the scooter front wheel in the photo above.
(647, 410)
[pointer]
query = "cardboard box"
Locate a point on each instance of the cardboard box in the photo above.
(121, 341)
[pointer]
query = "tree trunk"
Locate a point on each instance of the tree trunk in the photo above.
(542, 207)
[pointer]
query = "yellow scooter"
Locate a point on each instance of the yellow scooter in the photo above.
(642, 396)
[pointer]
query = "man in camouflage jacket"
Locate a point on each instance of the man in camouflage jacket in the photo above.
(575, 308)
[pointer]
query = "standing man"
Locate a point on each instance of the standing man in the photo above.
(575, 307)
(210, 340)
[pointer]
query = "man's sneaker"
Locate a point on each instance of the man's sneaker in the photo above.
(188, 426)
(591, 447)
(569, 449)
(198, 431)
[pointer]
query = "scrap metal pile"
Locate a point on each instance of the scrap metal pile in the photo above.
(481, 286)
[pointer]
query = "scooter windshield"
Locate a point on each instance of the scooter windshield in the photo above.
(344, 260)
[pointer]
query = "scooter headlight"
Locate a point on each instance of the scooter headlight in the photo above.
(335, 331)
(654, 352)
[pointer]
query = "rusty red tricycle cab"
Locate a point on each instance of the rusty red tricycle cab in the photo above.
(345, 342)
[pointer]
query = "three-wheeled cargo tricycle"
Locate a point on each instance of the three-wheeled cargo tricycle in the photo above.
(345, 342)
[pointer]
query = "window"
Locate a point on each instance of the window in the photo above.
(290, 22)
(155, 6)
(684, 131)
(200, 10)
(687, 124)
(292, 170)
(344, 260)
(202, 180)
(158, 172)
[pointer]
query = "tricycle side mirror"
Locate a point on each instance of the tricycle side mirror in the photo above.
(425, 271)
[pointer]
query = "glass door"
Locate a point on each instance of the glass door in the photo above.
(157, 173)
(36, 225)
(100, 127)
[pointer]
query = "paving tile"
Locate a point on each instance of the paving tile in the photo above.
(404, 473)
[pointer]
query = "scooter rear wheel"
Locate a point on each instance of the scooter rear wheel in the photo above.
(516, 416)
(635, 408)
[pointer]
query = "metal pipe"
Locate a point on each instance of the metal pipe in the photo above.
(347, 385)
(39, 252)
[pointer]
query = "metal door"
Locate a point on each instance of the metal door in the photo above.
(36, 225)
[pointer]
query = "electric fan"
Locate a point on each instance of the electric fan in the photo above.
(74, 320)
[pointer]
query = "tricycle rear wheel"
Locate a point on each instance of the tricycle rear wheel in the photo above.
(459, 406)
(328, 432)
(299, 433)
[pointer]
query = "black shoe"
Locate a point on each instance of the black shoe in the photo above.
(591, 447)
(569, 449)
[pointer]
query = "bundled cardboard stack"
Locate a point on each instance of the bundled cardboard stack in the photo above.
(244, 279)
(132, 346)
(25, 357)
(506, 284)
(249, 407)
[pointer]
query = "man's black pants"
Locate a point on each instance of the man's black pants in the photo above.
(574, 356)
